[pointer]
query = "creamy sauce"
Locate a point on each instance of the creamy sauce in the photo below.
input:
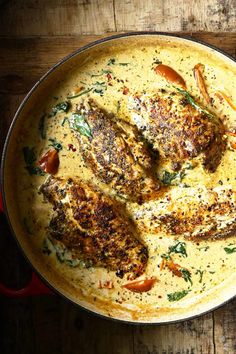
(108, 75)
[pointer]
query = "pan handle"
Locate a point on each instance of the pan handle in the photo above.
(34, 287)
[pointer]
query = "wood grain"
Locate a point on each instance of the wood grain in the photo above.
(224, 329)
(178, 15)
(27, 59)
(193, 336)
(74, 17)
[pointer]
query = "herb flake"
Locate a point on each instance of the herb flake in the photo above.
(200, 272)
(102, 73)
(179, 247)
(54, 143)
(230, 250)
(178, 295)
(111, 61)
(30, 159)
(42, 126)
(186, 275)
(78, 122)
(168, 177)
(79, 94)
(193, 103)
(61, 107)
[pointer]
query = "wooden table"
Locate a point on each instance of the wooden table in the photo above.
(34, 35)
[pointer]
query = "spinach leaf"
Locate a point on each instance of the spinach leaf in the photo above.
(179, 247)
(63, 254)
(193, 103)
(78, 122)
(30, 159)
(61, 107)
(186, 275)
(99, 87)
(230, 250)
(42, 126)
(176, 296)
(79, 94)
(168, 177)
(111, 61)
(166, 256)
(57, 146)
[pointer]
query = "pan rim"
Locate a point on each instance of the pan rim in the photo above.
(7, 141)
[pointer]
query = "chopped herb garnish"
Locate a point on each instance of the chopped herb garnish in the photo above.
(186, 275)
(99, 87)
(61, 107)
(168, 177)
(156, 61)
(63, 255)
(188, 166)
(230, 250)
(100, 91)
(79, 94)
(97, 83)
(166, 256)
(57, 146)
(176, 296)
(64, 120)
(111, 61)
(48, 246)
(194, 103)
(179, 247)
(200, 272)
(42, 126)
(78, 122)
(102, 73)
(29, 155)
(204, 248)
(30, 159)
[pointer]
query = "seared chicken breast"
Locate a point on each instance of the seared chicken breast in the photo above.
(93, 227)
(197, 215)
(115, 154)
(176, 129)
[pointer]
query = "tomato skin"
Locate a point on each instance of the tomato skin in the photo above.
(49, 162)
(233, 145)
(170, 75)
(125, 90)
(198, 75)
(140, 286)
(174, 268)
(222, 96)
